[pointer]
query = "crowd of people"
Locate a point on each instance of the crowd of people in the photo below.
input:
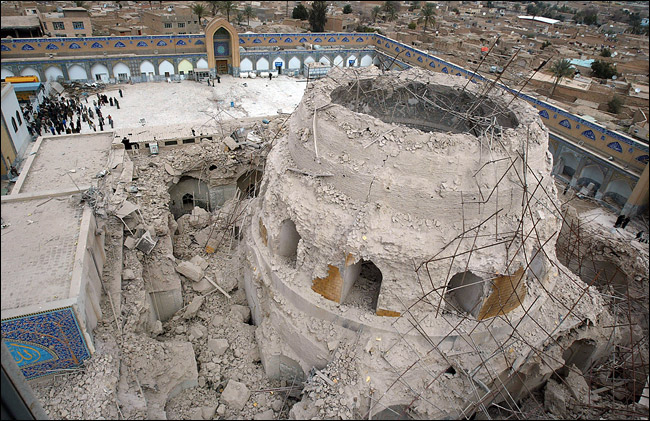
(65, 115)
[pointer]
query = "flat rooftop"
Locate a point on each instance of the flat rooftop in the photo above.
(38, 250)
(62, 161)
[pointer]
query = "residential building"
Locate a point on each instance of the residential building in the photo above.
(70, 22)
(177, 20)
(20, 27)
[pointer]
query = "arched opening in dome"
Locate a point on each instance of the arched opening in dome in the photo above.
(287, 243)
(465, 293)
(364, 288)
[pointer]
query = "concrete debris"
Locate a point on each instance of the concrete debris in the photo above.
(241, 313)
(199, 218)
(190, 270)
(577, 385)
(555, 398)
(235, 395)
(193, 308)
(266, 415)
(199, 261)
(218, 346)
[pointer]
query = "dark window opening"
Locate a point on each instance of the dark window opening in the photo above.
(188, 140)
(170, 142)
(212, 167)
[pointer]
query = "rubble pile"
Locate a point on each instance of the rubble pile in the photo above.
(333, 392)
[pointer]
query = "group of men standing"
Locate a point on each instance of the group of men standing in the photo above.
(61, 115)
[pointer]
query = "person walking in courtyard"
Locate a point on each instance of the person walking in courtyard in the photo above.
(117, 104)
(110, 120)
(120, 91)
(111, 101)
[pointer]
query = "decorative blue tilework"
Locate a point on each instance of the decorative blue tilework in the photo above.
(331, 39)
(74, 46)
(5, 48)
(273, 41)
(602, 138)
(361, 40)
(96, 45)
(288, 40)
(141, 44)
(642, 158)
(318, 39)
(51, 47)
(408, 54)
(565, 123)
(420, 59)
(199, 42)
(130, 42)
(345, 39)
(589, 134)
(616, 146)
(432, 64)
(444, 70)
(257, 41)
(458, 74)
(378, 41)
(180, 42)
(554, 115)
(630, 150)
(27, 47)
(45, 342)
(543, 114)
(577, 126)
(119, 44)
(303, 39)
(161, 43)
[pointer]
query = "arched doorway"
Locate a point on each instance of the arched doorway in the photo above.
(52, 73)
(76, 72)
(222, 44)
(185, 67)
(6, 73)
(121, 71)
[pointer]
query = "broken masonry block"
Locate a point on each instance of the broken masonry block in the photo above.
(235, 395)
(190, 271)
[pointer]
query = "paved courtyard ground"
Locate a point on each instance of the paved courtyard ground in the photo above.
(196, 104)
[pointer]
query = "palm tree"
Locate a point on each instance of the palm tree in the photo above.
(390, 10)
(561, 69)
(214, 6)
(227, 7)
(375, 12)
(199, 10)
(249, 13)
(427, 14)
